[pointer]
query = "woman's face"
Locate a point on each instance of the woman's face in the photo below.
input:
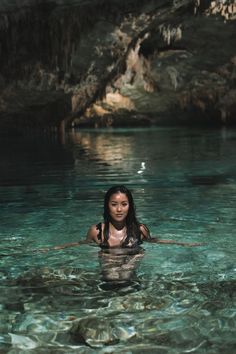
(118, 206)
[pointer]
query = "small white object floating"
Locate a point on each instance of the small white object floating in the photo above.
(143, 167)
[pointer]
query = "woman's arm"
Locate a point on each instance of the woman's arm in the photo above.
(92, 234)
(60, 247)
(189, 244)
(147, 237)
(91, 237)
(145, 233)
(70, 244)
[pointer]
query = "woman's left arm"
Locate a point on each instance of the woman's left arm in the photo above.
(147, 237)
(145, 233)
(173, 242)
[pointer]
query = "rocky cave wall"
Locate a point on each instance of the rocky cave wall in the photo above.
(117, 63)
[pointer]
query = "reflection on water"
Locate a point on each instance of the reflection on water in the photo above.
(166, 299)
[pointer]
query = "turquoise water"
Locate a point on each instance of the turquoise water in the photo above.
(168, 298)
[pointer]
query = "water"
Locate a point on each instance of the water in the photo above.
(168, 298)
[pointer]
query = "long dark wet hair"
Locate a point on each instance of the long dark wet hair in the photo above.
(132, 224)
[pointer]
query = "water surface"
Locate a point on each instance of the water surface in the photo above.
(168, 298)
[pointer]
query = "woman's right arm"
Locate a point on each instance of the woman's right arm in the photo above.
(91, 237)
(92, 234)
(147, 237)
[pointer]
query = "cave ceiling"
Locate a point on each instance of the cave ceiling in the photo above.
(117, 63)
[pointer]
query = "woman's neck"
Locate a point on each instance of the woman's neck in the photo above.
(118, 225)
(117, 234)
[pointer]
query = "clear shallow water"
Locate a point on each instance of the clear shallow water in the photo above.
(168, 299)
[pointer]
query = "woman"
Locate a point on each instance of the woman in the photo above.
(120, 227)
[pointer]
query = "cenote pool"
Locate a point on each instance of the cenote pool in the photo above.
(166, 299)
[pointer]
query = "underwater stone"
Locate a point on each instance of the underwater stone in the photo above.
(96, 332)
(22, 342)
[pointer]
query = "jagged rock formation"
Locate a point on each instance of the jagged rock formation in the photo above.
(113, 62)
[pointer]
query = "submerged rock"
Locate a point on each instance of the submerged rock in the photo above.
(22, 342)
(98, 331)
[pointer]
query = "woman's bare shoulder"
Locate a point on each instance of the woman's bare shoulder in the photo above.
(93, 231)
(144, 231)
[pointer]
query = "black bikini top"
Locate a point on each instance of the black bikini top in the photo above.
(132, 242)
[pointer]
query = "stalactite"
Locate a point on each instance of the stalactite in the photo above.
(170, 34)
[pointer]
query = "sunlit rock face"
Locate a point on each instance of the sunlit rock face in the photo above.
(117, 63)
